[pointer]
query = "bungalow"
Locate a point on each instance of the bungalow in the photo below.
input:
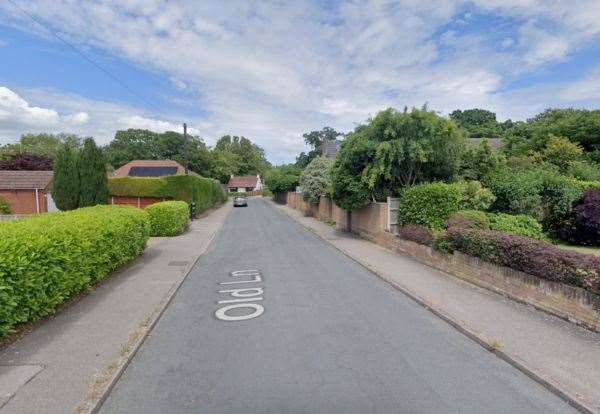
(150, 168)
(245, 183)
(27, 192)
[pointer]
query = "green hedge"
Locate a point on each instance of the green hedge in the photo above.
(199, 192)
(168, 218)
(4, 206)
(47, 258)
(429, 204)
(469, 219)
(519, 224)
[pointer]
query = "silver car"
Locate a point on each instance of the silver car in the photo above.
(240, 201)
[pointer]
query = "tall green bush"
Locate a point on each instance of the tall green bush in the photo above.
(48, 258)
(315, 180)
(519, 224)
(92, 175)
(65, 185)
(429, 204)
(168, 218)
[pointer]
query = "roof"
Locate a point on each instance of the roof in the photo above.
(25, 180)
(152, 171)
(151, 168)
(243, 181)
(331, 148)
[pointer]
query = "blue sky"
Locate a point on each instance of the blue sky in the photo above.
(272, 70)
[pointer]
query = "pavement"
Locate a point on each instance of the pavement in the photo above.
(564, 356)
(274, 319)
(65, 364)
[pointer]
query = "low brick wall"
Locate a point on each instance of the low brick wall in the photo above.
(568, 302)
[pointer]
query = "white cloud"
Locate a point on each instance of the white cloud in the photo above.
(156, 125)
(15, 110)
(273, 70)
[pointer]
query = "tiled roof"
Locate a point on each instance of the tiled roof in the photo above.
(25, 180)
(243, 181)
(125, 170)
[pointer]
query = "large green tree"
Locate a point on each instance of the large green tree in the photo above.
(282, 178)
(250, 157)
(478, 122)
(65, 186)
(46, 145)
(580, 126)
(316, 140)
(92, 175)
(393, 150)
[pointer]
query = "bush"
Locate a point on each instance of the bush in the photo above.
(583, 227)
(584, 171)
(418, 234)
(199, 192)
(48, 258)
(4, 206)
(469, 219)
(168, 218)
(315, 180)
(474, 196)
(429, 204)
(519, 224)
(528, 255)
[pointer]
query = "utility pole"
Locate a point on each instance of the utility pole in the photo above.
(187, 149)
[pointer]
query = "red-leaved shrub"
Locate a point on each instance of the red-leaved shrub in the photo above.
(583, 226)
(529, 255)
(417, 233)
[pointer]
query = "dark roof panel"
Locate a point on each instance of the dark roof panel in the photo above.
(152, 171)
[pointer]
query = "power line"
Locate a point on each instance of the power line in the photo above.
(87, 58)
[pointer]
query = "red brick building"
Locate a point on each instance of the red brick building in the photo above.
(27, 192)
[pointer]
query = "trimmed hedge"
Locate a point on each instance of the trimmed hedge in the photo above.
(418, 234)
(518, 224)
(528, 255)
(429, 204)
(199, 192)
(469, 219)
(168, 218)
(47, 258)
(4, 206)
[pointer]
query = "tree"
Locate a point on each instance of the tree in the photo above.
(393, 150)
(561, 152)
(40, 144)
(28, 162)
(282, 178)
(92, 175)
(478, 122)
(315, 180)
(224, 164)
(250, 157)
(479, 161)
(65, 187)
(316, 139)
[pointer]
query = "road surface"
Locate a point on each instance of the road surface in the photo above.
(313, 332)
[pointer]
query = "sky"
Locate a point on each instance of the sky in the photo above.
(273, 70)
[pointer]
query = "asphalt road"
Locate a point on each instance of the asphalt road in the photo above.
(327, 337)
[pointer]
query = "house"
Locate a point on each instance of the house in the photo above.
(27, 192)
(243, 184)
(331, 148)
(150, 168)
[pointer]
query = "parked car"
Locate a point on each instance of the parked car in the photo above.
(240, 201)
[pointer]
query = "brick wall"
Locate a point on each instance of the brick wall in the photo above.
(23, 201)
(568, 302)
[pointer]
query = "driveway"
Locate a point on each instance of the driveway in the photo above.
(301, 328)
